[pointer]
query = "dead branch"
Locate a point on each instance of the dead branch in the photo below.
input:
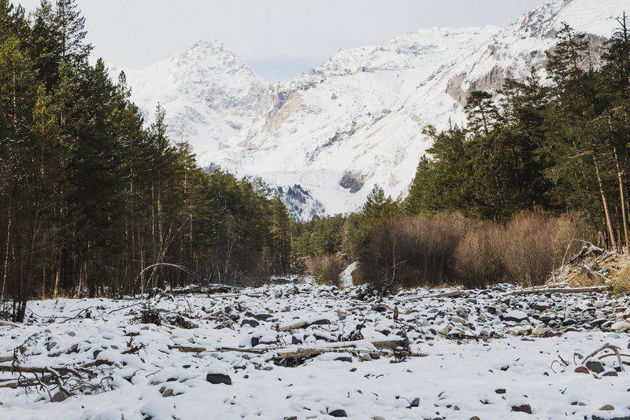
(610, 347)
(563, 290)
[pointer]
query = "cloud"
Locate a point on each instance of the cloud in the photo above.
(278, 38)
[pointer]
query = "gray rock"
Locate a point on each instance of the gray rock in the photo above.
(60, 396)
(263, 317)
(251, 322)
(595, 366)
(338, 413)
(514, 316)
(218, 378)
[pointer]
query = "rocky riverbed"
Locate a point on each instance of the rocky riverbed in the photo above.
(308, 352)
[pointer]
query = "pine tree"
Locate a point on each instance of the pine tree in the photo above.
(45, 44)
(482, 112)
(70, 27)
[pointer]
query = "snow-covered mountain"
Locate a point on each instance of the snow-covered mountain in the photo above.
(356, 119)
(209, 95)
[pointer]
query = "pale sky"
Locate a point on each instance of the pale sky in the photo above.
(277, 38)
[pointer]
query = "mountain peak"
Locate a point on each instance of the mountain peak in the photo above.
(597, 17)
(205, 44)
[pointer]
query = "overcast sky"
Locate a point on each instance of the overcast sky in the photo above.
(277, 38)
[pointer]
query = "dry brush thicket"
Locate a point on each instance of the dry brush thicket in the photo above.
(448, 248)
(326, 268)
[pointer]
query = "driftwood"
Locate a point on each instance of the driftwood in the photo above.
(188, 349)
(444, 295)
(296, 326)
(563, 290)
(332, 347)
(311, 352)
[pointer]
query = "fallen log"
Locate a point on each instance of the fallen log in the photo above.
(563, 290)
(391, 344)
(188, 349)
(444, 295)
(296, 326)
(453, 294)
(312, 352)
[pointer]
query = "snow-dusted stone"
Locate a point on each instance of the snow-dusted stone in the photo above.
(60, 396)
(620, 326)
(541, 331)
(444, 329)
(158, 409)
(250, 322)
(514, 316)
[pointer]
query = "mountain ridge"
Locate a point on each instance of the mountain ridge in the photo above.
(356, 119)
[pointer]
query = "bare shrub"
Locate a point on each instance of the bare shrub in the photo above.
(326, 269)
(535, 243)
(448, 248)
(416, 251)
(478, 256)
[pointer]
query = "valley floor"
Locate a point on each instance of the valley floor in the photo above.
(486, 354)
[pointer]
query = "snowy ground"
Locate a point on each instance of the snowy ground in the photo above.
(481, 355)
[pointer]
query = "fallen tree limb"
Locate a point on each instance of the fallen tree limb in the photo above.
(188, 349)
(43, 376)
(610, 347)
(563, 290)
(444, 295)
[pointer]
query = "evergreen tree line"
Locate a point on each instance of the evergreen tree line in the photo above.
(93, 200)
(558, 144)
(538, 165)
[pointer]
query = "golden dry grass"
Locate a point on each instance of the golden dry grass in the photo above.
(621, 280)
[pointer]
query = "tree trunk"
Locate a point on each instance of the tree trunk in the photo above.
(609, 226)
(5, 274)
(624, 217)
